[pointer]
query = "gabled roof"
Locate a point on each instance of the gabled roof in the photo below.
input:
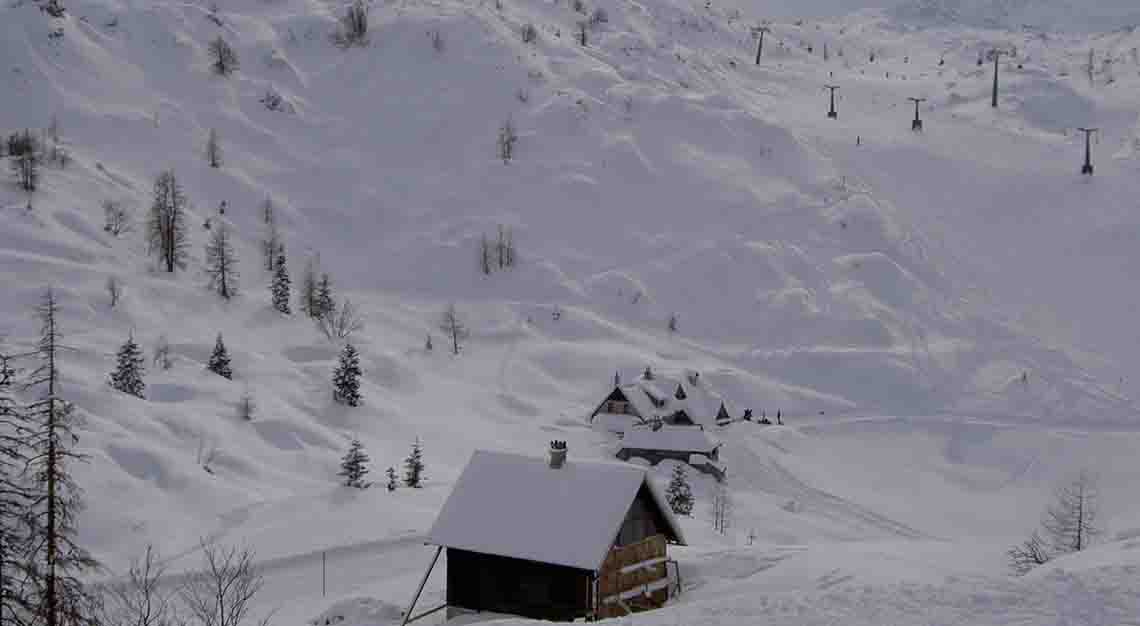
(517, 506)
(669, 439)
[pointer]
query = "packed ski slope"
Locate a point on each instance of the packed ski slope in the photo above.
(838, 270)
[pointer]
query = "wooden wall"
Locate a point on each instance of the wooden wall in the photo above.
(613, 581)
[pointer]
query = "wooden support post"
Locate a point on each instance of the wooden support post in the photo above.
(420, 589)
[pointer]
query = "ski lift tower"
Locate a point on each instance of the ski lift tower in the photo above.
(1087, 168)
(997, 57)
(916, 125)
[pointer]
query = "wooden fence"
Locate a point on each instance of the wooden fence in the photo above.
(633, 576)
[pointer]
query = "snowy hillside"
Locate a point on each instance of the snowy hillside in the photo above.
(839, 271)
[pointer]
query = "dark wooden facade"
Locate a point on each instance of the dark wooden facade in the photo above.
(478, 582)
(498, 584)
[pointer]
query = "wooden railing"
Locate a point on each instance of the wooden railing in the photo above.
(633, 578)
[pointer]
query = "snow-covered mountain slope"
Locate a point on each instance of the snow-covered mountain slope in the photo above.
(1039, 14)
(828, 269)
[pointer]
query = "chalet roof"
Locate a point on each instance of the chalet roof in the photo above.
(517, 506)
(669, 439)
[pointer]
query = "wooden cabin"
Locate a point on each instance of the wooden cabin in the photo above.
(554, 539)
(686, 444)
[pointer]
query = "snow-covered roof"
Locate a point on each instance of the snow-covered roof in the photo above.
(669, 438)
(518, 506)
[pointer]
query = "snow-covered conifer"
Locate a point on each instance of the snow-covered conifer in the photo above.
(679, 495)
(354, 465)
(129, 369)
(346, 377)
(393, 480)
(281, 286)
(219, 362)
(414, 466)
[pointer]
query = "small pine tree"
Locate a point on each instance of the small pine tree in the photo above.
(427, 344)
(672, 324)
(346, 377)
(354, 465)
(281, 286)
(414, 466)
(219, 362)
(679, 495)
(127, 376)
(393, 480)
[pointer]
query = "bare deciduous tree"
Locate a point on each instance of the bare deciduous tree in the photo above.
(140, 599)
(1027, 555)
(114, 290)
(341, 322)
(1071, 522)
(222, 593)
(223, 59)
(453, 327)
(214, 149)
(485, 256)
(529, 33)
(506, 140)
(1069, 525)
(247, 406)
(116, 218)
(26, 161)
(353, 29)
(221, 263)
(166, 227)
(162, 353)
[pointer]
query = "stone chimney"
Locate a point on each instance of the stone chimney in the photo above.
(557, 454)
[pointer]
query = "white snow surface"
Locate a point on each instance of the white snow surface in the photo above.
(945, 319)
(518, 506)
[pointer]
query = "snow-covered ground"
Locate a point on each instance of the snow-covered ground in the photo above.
(946, 320)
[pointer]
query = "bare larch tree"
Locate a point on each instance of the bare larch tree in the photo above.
(166, 226)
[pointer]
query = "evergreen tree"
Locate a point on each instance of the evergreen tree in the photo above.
(679, 495)
(129, 369)
(414, 466)
(393, 481)
(354, 465)
(326, 306)
(221, 263)
(219, 362)
(346, 377)
(280, 288)
(166, 226)
(56, 564)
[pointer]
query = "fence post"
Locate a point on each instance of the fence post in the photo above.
(324, 585)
